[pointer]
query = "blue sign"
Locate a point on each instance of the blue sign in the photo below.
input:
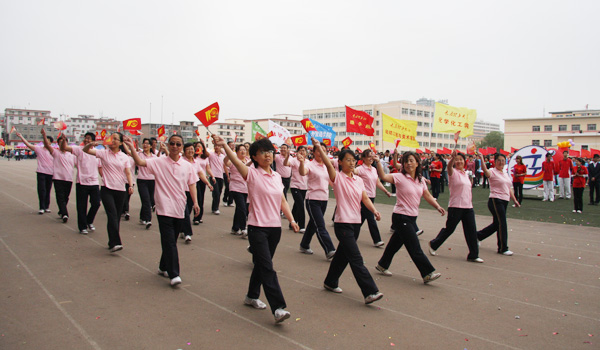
(322, 132)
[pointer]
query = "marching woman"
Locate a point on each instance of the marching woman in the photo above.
(410, 187)
(188, 152)
(115, 174)
(460, 208)
(435, 173)
(201, 157)
(173, 176)
(316, 204)
(45, 170)
(350, 193)
(146, 184)
(298, 185)
(64, 162)
(368, 174)
(580, 174)
(500, 193)
(265, 191)
(518, 179)
(238, 190)
(215, 159)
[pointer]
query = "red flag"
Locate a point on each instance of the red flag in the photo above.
(13, 129)
(419, 151)
(456, 135)
(258, 136)
(60, 125)
(197, 132)
(232, 134)
(107, 141)
(573, 153)
(42, 122)
(586, 153)
(471, 148)
(136, 132)
(347, 142)
(483, 151)
(447, 151)
(209, 114)
(270, 133)
(308, 125)
(102, 134)
(160, 131)
(513, 150)
(132, 124)
(491, 150)
(594, 151)
(372, 146)
(427, 150)
(358, 150)
(439, 151)
(327, 142)
(162, 138)
(398, 142)
(503, 152)
(299, 140)
(359, 122)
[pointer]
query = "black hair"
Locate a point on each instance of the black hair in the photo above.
(237, 148)
(284, 144)
(147, 139)
(498, 155)
(50, 138)
(419, 170)
(299, 148)
(181, 137)
(260, 145)
(461, 155)
(120, 139)
(204, 153)
(186, 145)
(342, 155)
(366, 153)
(519, 157)
(567, 152)
(596, 155)
(90, 134)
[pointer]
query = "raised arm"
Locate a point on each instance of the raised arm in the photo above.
(286, 160)
(395, 162)
(89, 149)
(330, 169)
(484, 168)
(382, 175)
(449, 168)
(27, 143)
(47, 144)
(241, 167)
(128, 145)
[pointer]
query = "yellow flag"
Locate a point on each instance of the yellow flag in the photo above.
(396, 129)
(452, 119)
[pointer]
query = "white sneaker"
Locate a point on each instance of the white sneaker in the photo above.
(431, 250)
(383, 271)
(373, 297)
(579, 211)
(514, 205)
(116, 248)
(331, 289)
(420, 232)
(41, 211)
(306, 250)
(302, 230)
(163, 273)
(83, 232)
(574, 211)
(65, 218)
(507, 253)
(256, 303)
(47, 211)
(476, 260)
(245, 234)
(379, 244)
(216, 212)
(237, 233)
(543, 200)
(142, 222)
(330, 255)
(175, 281)
(148, 224)
(281, 315)
(188, 239)
(91, 227)
(431, 277)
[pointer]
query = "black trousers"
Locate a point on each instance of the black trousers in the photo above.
(405, 234)
(200, 190)
(578, 198)
(316, 224)
(498, 209)
(477, 178)
(241, 210)
(346, 253)
(594, 189)
(146, 192)
(169, 229)
(518, 189)
(435, 187)
(443, 181)
(216, 193)
(366, 214)
(263, 241)
(226, 197)
(186, 226)
(113, 201)
(44, 187)
(62, 190)
(298, 208)
(82, 193)
(126, 201)
(456, 215)
(485, 182)
(286, 185)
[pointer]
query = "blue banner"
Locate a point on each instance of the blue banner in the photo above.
(323, 132)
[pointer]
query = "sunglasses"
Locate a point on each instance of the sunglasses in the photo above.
(178, 144)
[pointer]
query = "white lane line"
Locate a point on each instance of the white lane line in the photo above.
(58, 305)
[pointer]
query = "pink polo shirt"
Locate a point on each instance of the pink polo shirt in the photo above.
(113, 168)
(143, 173)
(500, 184)
(87, 167)
(172, 181)
(45, 162)
(202, 164)
(236, 181)
(216, 164)
(264, 195)
(369, 176)
(284, 171)
(298, 181)
(460, 190)
(318, 181)
(348, 195)
(408, 194)
(64, 162)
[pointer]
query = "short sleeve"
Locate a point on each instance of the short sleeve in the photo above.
(76, 150)
(193, 177)
(151, 165)
(252, 173)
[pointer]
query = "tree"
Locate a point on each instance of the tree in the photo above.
(492, 139)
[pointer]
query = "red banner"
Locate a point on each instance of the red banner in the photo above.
(491, 150)
(347, 142)
(132, 124)
(359, 122)
(197, 132)
(427, 150)
(160, 131)
(258, 136)
(136, 132)
(594, 151)
(513, 150)
(586, 153)
(372, 145)
(327, 142)
(483, 151)
(42, 122)
(419, 151)
(503, 152)
(299, 140)
(447, 151)
(102, 134)
(573, 153)
(308, 125)
(209, 114)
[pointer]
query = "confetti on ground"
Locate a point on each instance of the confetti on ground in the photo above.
(297, 319)
(392, 344)
(218, 330)
(517, 317)
(97, 317)
(555, 333)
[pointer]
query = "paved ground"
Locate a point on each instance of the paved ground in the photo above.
(61, 290)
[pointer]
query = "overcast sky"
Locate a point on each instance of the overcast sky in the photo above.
(506, 59)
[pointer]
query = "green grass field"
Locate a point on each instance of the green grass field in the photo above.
(559, 211)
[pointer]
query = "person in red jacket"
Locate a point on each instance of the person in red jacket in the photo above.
(435, 172)
(564, 177)
(548, 167)
(580, 174)
(519, 173)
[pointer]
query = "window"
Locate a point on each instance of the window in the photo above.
(327, 115)
(419, 133)
(535, 128)
(433, 134)
(547, 127)
(591, 127)
(426, 124)
(562, 128)
(412, 112)
(426, 134)
(419, 123)
(377, 132)
(404, 110)
(575, 127)
(369, 112)
(377, 123)
(378, 113)
(427, 114)
(547, 143)
(535, 142)
(419, 113)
